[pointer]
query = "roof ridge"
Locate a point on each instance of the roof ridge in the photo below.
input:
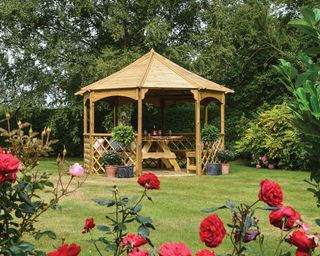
(144, 77)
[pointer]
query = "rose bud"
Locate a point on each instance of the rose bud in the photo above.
(89, 224)
(250, 235)
(76, 170)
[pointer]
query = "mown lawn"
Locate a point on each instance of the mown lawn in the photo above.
(176, 210)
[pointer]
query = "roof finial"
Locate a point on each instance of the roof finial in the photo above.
(152, 50)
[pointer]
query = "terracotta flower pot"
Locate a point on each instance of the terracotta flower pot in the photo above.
(111, 170)
(225, 167)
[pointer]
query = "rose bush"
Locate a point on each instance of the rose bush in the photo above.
(244, 226)
(21, 186)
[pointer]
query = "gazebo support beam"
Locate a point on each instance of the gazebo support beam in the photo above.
(222, 113)
(198, 139)
(206, 107)
(115, 113)
(139, 137)
(91, 133)
(162, 106)
(85, 116)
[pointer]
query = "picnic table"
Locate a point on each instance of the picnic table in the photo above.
(161, 150)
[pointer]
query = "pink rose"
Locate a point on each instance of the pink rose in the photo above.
(76, 170)
(131, 241)
(174, 249)
(258, 166)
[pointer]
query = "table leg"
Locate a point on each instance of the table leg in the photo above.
(172, 161)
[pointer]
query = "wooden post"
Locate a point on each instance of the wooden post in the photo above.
(198, 139)
(222, 107)
(91, 133)
(139, 137)
(162, 106)
(85, 116)
(206, 114)
(115, 114)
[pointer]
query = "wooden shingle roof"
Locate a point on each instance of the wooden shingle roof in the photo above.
(153, 71)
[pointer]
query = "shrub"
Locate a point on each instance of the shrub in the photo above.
(22, 185)
(111, 158)
(273, 135)
(123, 134)
(226, 155)
(210, 133)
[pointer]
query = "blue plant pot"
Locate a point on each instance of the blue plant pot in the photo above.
(213, 169)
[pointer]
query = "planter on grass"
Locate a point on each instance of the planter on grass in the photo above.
(213, 169)
(111, 170)
(111, 160)
(125, 171)
(225, 168)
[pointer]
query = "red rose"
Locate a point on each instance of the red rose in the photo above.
(205, 253)
(138, 252)
(302, 240)
(174, 249)
(302, 253)
(1, 150)
(149, 181)
(66, 250)
(270, 193)
(89, 224)
(284, 214)
(132, 241)
(9, 165)
(212, 231)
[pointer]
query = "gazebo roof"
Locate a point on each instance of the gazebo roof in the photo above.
(153, 71)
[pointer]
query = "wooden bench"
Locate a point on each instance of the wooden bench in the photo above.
(191, 161)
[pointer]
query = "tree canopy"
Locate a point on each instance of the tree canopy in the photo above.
(50, 49)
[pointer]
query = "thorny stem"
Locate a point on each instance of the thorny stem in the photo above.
(95, 244)
(282, 238)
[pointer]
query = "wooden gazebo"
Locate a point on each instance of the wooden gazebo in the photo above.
(150, 79)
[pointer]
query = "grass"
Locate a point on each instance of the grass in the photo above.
(176, 210)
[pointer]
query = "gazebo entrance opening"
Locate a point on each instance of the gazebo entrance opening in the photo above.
(155, 80)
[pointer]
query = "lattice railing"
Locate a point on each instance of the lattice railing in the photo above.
(209, 153)
(102, 143)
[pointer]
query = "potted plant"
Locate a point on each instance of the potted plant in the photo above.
(210, 134)
(124, 134)
(225, 156)
(110, 161)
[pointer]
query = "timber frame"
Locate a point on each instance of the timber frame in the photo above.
(150, 79)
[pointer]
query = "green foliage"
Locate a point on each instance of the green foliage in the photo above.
(225, 156)
(305, 87)
(272, 134)
(123, 134)
(111, 158)
(210, 133)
